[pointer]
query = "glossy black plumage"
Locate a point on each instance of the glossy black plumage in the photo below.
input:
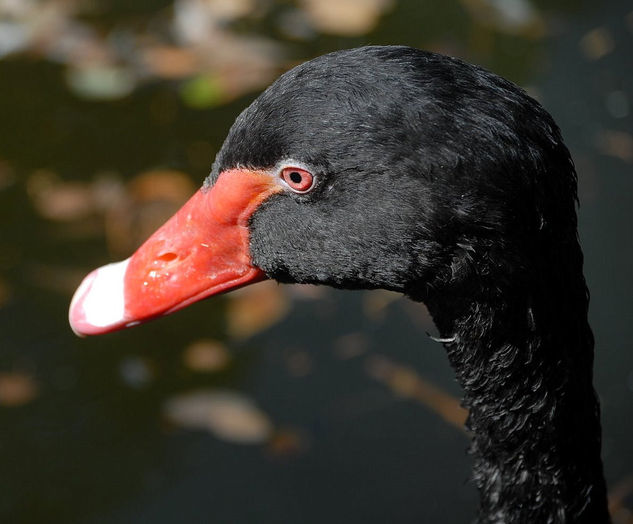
(443, 181)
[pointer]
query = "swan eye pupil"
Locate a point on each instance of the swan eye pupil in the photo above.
(295, 177)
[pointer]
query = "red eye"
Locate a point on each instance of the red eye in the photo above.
(299, 180)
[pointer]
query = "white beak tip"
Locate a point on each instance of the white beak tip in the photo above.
(98, 305)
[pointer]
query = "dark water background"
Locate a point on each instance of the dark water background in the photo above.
(84, 435)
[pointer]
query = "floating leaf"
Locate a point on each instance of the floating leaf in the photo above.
(405, 382)
(228, 415)
(206, 355)
(346, 17)
(171, 61)
(58, 200)
(17, 389)
(161, 184)
(255, 308)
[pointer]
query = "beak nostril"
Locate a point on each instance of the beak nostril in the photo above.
(167, 257)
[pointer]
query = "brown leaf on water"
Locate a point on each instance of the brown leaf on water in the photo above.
(149, 200)
(346, 17)
(56, 199)
(597, 43)
(162, 184)
(206, 355)
(170, 61)
(228, 415)
(618, 144)
(405, 382)
(255, 308)
(17, 389)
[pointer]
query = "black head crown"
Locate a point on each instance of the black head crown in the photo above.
(418, 158)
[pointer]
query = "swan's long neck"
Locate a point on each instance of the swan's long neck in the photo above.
(523, 353)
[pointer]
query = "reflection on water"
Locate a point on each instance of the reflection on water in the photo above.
(277, 403)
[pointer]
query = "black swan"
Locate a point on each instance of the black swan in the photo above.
(390, 167)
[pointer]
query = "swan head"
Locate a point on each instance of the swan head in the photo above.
(377, 167)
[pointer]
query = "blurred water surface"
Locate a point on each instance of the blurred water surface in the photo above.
(278, 403)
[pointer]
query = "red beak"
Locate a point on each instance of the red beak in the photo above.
(201, 251)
